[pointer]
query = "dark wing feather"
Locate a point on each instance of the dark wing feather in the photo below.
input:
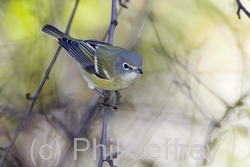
(96, 43)
(90, 46)
(84, 53)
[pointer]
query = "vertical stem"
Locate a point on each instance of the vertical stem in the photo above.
(104, 135)
(113, 24)
(35, 96)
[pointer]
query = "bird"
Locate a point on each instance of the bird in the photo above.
(101, 64)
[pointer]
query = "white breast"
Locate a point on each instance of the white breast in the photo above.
(129, 79)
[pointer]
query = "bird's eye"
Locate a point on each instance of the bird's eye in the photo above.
(126, 66)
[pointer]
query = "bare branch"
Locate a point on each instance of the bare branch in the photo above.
(119, 12)
(241, 7)
(104, 134)
(35, 96)
(113, 24)
(214, 125)
(238, 103)
(123, 4)
(110, 158)
(184, 87)
(177, 60)
(71, 18)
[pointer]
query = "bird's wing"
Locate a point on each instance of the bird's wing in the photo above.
(85, 53)
(107, 55)
(95, 43)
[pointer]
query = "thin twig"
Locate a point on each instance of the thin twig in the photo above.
(123, 4)
(119, 12)
(35, 96)
(104, 135)
(238, 103)
(241, 7)
(113, 24)
(71, 18)
(214, 125)
(200, 82)
(25, 117)
(110, 158)
(184, 87)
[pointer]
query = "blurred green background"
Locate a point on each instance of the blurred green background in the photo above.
(196, 71)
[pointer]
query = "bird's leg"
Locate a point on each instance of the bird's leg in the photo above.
(97, 91)
(118, 97)
(105, 98)
(106, 101)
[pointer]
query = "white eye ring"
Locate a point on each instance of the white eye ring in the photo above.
(126, 66)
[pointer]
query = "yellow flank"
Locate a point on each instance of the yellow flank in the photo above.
(112, 84)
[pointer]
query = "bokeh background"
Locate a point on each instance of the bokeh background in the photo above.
(194, 91)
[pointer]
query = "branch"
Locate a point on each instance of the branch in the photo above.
(241, 7)
(104, 135)
(110, 158)
(177, 60)
(119, 12)
(213, 125)
(113, 24)
(184, 87)
(35, 96)
(123, 4)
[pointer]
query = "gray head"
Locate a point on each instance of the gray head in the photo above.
(128, 63)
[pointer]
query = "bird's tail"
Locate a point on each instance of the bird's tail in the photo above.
(52, 31)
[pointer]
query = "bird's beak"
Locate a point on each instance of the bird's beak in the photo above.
(138, 70)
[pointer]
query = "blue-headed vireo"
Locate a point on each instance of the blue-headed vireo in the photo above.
(101, 64)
